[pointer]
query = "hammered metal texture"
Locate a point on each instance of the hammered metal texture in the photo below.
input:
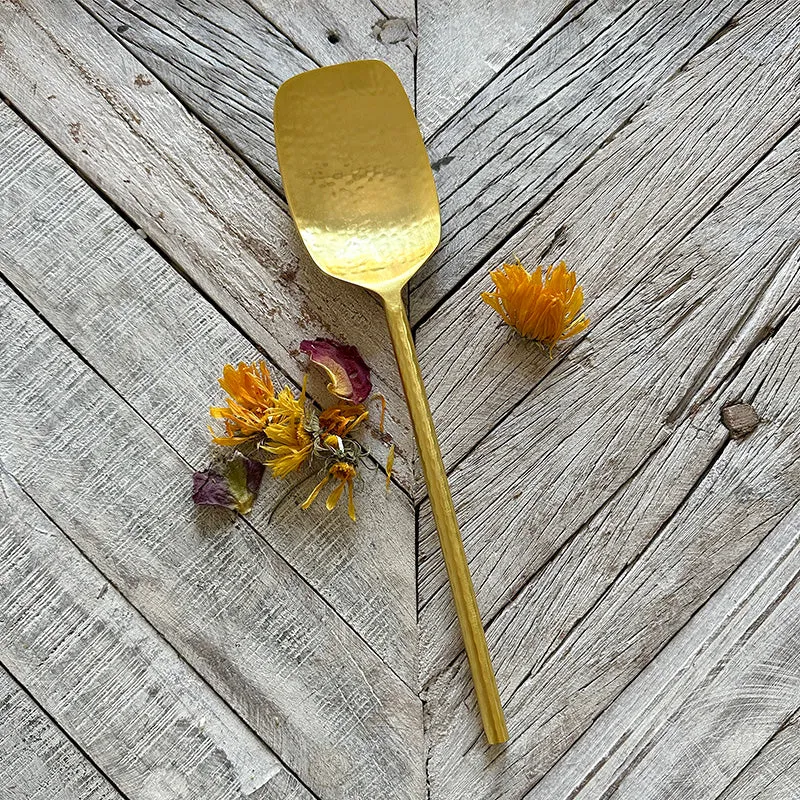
(356, 173)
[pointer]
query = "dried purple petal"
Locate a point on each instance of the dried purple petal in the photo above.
(236, 487)
(348, 375)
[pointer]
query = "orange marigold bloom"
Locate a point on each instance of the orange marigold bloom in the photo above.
(344, 472)
(340, 418)
(288, 442)
(251, 399)
(544, 307)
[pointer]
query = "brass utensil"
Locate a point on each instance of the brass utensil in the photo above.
(361, 191)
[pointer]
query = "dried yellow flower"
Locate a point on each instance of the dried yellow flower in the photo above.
(286, 435)
(288, 442)
(540, 306)
(251, 399)
(341, 418)
(344, 472)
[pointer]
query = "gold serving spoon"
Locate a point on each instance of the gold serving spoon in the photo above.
(361, 191)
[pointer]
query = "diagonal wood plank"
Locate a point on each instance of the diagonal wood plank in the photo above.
(774, 774)
(161, 347)
(521, 138)
(38, 761)
(463, 45)
(711, 702)
(111, 681)
(587, 624)
(225, 60)
(120, 127)
(639, 196)
(575, 428)
(324, 703)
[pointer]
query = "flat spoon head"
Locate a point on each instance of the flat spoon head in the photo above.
(356, 174)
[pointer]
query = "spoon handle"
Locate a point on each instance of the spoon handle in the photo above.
(444, 514)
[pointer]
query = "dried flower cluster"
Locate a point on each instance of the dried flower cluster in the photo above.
(286, 433)
(542, 305)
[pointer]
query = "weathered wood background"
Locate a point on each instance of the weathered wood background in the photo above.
(636, 560)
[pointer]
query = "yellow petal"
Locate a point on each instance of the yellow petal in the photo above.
(333, 497)
(351, 506)
(315, 491)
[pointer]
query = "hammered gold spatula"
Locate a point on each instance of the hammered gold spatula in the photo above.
(361, 191)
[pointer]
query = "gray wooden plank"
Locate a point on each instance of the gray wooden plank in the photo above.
(271, 648)
(145, 718)
(121, 128)
(382, 29)
(716, 700)
(463, 45)
(225, 60)
(37, 760)
(634, 201)
(598, 611)
(162, 347)
(521, 137)
(675, 300)
(774, 774)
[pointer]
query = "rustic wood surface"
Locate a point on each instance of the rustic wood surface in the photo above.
(630, 506)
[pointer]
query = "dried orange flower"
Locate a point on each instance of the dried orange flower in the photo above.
(288, 441)
(544, 307)
(344, 472)
(286, 435)
(340, 418)
(251, 399)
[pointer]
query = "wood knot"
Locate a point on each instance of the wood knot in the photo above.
(740, 419)
(393, 30)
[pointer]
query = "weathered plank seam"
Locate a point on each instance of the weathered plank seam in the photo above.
(517, 121)
(680, 408)
(45, 713)
(274, 189)
(677, 412)
(155, 630)
(794, 719)
(566, 351)
(735, 647)
(297, 46)
(416, 56)
(717, 454)
(788, 132)
(385, 14)
(521, 588)
(726, 380)
(494, 253)
(247, 522)
(600, 763)
(521, 53)
(741, 564)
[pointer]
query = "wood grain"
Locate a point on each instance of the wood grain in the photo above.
(720, 697)
(636, 562)
(517, 142)
(38, 761)
(214, 589)
(463, 46)
(774, 774)
(122, 129)
(162, 346)
(225, 60)
(98, 668)
(598, 612)
(676, 302)
(619, 217)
